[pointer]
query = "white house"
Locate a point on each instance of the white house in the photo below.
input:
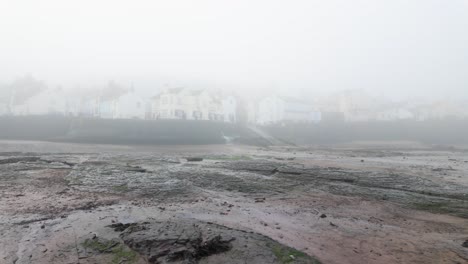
(73, 106)
(122, 106)
(169, 104)
(130, 106)
(252, 111)
(89, 106)
(4, 108)
(229, 109)
(48, 102)
(394, 114)
(275, 109)
(357, 105)
(180, 103)
(107, 108)
(440, 110)
(5, 100)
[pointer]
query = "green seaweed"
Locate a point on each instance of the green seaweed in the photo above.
(121, 188)
(121, 255)
(99, 245)
(291, 255)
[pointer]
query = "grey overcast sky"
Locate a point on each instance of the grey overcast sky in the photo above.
(391, 47)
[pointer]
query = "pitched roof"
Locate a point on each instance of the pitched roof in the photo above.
(196, 92)
(168, 91)
(174, 90)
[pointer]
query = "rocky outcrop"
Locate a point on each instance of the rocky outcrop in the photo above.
(193, 241)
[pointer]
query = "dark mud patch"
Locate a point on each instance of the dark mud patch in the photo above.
(119, 227)
(256, 166)
(19, 159)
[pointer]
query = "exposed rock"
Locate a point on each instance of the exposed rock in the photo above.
(119, 227)
(99, 245)
(260, 200)
(19, 159)
(193, 241)
(194, 159)
(136, 169)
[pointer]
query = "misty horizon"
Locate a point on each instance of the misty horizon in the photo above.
(399, 50)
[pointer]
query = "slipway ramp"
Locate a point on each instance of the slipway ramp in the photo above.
(273, 141)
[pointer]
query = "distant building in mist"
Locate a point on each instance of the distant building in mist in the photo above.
(440, 110)
(5, 101)
(28, 96)
(126, 105)
(394, 114)
(276, 109)
(182, 103)
(4, 109)
(229, 109)
(48, 102)
(251, 108)
(89, 106)
(130, 106)
(357, 105)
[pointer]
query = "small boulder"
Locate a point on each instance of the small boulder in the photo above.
(465, 244)
(260, 200)
(194, 159)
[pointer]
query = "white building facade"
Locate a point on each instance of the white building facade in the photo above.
(180, 103)
(48, 102)
(394, 114)
(125, 106)
(276, 109)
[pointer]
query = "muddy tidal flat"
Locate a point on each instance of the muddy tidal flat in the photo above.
(356, 203)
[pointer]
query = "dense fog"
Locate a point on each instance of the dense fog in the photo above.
(395, 49)
(262, 63)
(233, 132)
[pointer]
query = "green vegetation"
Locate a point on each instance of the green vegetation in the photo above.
(119, 252)
(121, 188)
(453, 207)
(291, 255)
(100, 245)
(123, 256)
(69, 181)
(433, 207)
